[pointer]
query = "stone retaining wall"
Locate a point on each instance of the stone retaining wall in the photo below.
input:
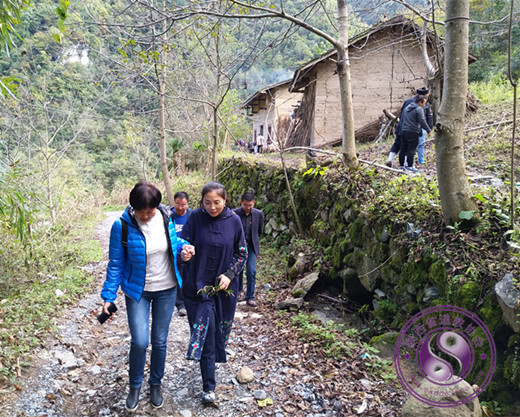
(369, 258)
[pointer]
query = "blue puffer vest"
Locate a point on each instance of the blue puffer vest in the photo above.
(129, 270)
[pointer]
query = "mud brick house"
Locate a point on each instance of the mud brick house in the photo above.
(386, 64)
(271, 109)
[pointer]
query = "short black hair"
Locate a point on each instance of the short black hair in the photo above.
(213, 186)
(419, 98)
(182, 195)
(248, 196)
(145, 195)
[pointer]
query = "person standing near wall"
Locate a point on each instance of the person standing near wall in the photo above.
(396, 146)
(413, 121)
(260, 143)
(253, 224)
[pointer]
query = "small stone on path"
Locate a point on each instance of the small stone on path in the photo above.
(245, 375)
(259, 394)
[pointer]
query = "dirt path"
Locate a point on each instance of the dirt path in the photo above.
(83, 370)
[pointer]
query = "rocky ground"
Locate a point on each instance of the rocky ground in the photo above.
(83, 370)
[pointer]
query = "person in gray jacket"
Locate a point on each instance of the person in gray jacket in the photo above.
(413, 121)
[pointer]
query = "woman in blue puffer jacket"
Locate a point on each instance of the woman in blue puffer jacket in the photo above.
(146, 270)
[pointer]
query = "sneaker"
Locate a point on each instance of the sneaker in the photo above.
(182, 312)
(132, 401)
(251, 303)
(422, 161)
(412, 169)
(156, 398)
(208, 397)
(388, 164)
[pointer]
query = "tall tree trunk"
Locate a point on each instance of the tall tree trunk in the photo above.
(214, 149)
(454, 188)
(349, 138)
(162, 116)
(216, 103)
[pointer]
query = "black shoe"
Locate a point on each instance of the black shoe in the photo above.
(182, 312)
(388, 164)
(156, 398)
(132, 401)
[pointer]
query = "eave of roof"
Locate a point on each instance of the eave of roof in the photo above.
(397, 20)
(264, 90)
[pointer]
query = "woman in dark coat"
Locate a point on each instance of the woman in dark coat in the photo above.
(216, 232)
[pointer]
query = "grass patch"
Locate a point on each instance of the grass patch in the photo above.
(31, 306)
(338, 342)
(335, 344)
(496, 89)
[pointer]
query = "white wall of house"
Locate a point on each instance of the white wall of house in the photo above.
(280, 103)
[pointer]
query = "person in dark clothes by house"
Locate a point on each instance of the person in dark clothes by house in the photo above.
(220, 257)
(181, 212)
(253, 224)
(428, 114)
(413, 121)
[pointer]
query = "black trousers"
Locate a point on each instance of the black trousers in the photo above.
(179, 303)
(397, 144)
(409, 142)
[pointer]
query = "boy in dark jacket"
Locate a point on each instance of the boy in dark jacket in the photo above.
(412, 121)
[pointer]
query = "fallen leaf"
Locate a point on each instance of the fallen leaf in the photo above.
(264, 403)
(51, 397)
(363, 407)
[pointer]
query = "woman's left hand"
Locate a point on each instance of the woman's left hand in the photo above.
(224, 282)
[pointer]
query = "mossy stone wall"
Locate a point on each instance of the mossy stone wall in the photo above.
(367, 256)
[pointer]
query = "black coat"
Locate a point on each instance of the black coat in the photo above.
(257, 226)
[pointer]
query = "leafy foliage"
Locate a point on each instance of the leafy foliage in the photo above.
(489, 39)
(10, 15)
(14, 213)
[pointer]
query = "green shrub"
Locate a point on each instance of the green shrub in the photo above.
(494, 90)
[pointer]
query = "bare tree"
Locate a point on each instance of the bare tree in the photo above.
(160, 72)
(340, 43)
(454, 188)
(514, 85)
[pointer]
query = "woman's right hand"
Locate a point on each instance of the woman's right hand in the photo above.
(105, 308)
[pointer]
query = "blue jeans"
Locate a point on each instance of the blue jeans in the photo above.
(162, 304)
(420, 147)
(250, 274)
